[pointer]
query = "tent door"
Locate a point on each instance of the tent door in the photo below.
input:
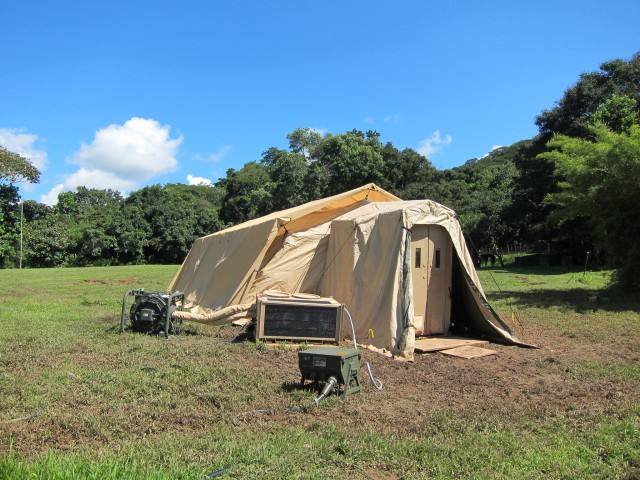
(431, 275)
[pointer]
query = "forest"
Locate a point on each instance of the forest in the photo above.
(571, 192)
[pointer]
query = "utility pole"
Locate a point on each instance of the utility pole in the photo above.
(21, 213)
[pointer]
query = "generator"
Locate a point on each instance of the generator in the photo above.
(151, 311)
(333, 365)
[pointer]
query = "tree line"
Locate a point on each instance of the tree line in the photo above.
(572, 190)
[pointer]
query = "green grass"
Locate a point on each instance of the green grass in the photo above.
(568, 302)
(79, 400)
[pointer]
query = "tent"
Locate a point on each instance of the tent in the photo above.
(401, 268)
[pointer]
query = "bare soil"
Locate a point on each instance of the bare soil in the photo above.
(514, 385)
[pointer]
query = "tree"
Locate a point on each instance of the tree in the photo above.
(600, 184)
(248, 193)
(46, 242)
(9, 224)
(13, 168)
(351, 159)
(288, 171)
(33, 210)
(404, 168)
(618, 113)
(573, 116)
(16, 168)
(304, 141)
(165, 221)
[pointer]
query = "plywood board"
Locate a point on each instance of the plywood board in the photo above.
(434, 344)
(468, 352)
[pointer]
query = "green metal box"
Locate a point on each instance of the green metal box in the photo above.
(320, 363)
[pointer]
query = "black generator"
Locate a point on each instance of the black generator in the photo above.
(151, 311)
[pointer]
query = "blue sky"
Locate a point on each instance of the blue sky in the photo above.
(122, 94)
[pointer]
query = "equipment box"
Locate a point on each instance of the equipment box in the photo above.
(303, 317)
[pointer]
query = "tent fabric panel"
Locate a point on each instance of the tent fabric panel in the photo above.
(471, 309)
(408, 338)
(220, 267)
(365, 273)
(188, 268)
(227, 265)
(423, 212)
(298, 265)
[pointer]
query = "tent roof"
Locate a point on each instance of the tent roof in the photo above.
(220, 267)
(317, 211)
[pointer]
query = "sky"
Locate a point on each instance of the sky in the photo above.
(123, 94)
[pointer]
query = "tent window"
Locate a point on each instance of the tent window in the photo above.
(437, 258)
(418, 257)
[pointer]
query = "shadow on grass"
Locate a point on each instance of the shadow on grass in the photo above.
(293, 386)
(513, 269)
(610, 299)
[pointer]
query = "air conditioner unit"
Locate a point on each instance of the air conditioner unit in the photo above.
(298, 316)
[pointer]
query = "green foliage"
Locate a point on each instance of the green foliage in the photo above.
(607, 95)
(618, 113)
(288, 172)
(572, 115)
(171, 218)
(406, 172)
(485, 194)
(599, 181)
(351, 159)
(99, 227)
(248, 193)
(16, 168)
(9, 224)
(46, 242)
(304, 141)
(509, 196)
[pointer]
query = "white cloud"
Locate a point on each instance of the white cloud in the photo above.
(219, 155)
(51, 198)
(395, 118)
(139, 150)
(121, 157)
(198, 180)
(434, 143)
(90, 178)
(15, 140)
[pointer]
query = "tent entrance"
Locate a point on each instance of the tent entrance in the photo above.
(431, 274)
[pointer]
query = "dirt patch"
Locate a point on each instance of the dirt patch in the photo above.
(515, 384)
(120, 281)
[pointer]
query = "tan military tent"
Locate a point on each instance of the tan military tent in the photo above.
(401, 268)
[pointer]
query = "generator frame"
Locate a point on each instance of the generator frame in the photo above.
(141, 291)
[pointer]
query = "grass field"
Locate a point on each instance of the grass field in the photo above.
(79, 400)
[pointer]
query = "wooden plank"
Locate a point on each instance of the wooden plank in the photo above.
(434, 344)
(468, 352)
